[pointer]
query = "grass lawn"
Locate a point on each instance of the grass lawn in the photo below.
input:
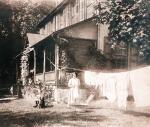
(20, 113)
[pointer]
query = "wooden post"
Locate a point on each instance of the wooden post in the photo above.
(98, 37)
(44, 64)
(34, 64)
(56, 64)
(129, 56)
(130, 98)
(16, 71)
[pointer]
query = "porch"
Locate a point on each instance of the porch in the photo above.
(56, 56)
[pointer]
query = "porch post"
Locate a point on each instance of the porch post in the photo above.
(98, 37)
(44, 64)
(102, 33)
(34, 64)
(56, 64)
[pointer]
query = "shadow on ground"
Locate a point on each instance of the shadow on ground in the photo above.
(20, 119)
(7, 99)
(134, 113)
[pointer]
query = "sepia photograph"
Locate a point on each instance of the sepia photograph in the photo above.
(74, 63)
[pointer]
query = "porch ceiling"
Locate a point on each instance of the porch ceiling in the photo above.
(84, 30)
(35, 38)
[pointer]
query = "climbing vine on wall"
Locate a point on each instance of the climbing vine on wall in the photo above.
(24, 66)
(98, 59)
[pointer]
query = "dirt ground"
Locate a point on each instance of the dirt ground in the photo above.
(20, 113)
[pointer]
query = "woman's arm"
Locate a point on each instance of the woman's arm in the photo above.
(70, 83)
(78, 82)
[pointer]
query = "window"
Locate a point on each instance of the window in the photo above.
(31, 60)
(62, 16)
(77, 6)
(82, 9)
(39, 61)
(50, 58)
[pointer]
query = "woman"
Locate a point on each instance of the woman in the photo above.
(73, 84)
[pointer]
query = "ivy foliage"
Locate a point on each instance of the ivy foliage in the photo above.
(129, 23)
(27, 15)
(97, 59)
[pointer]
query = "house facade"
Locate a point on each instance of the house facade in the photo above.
(66, 40)
(69, 40)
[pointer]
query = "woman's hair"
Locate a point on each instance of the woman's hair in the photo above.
(74, 73)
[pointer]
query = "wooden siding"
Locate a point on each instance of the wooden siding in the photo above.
(72, 13)
(80, 51)
(49, 76)
(39, 77)
(88, 31)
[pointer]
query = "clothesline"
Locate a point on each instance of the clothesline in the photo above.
(4, 89)
(63, 68)
(77, 69)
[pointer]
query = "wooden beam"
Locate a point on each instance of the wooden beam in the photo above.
(34, 65)
(56, 63)
(66, 37)
(44, 64)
